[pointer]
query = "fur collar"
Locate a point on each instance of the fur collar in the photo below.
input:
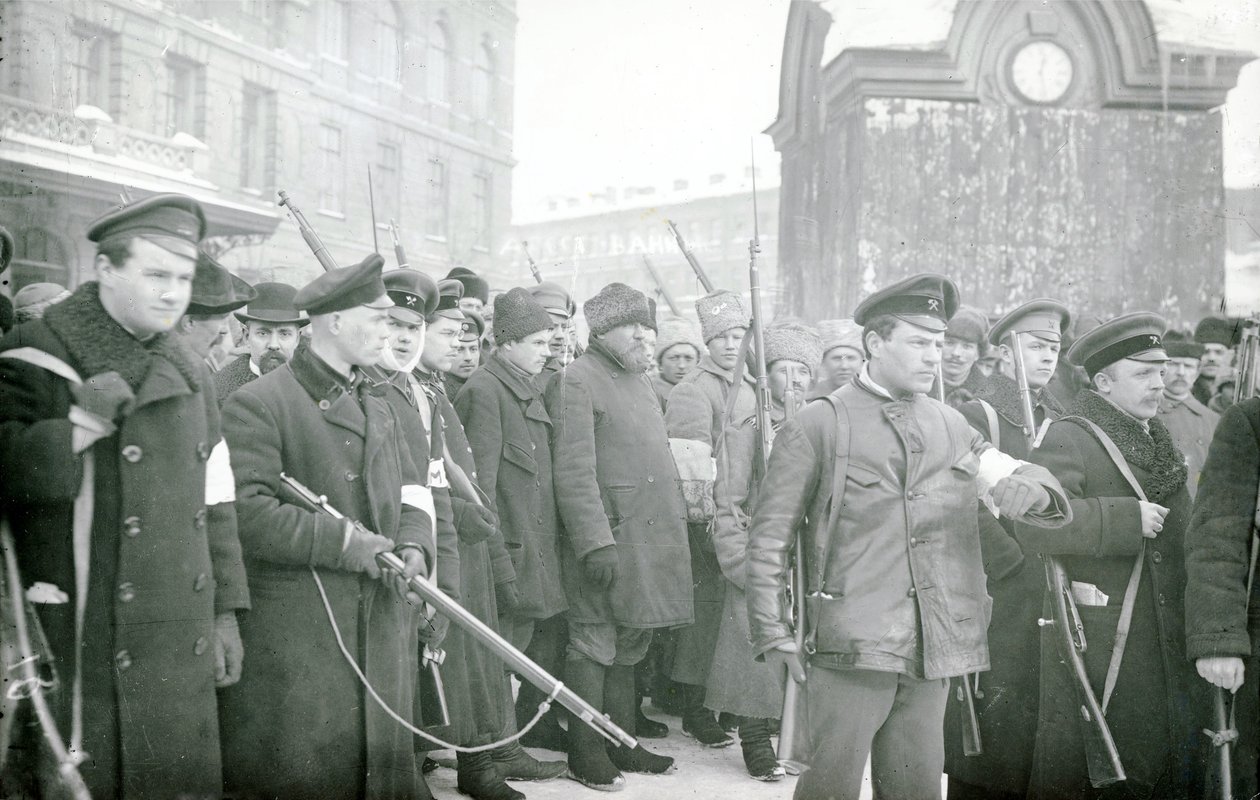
(99, 344)
(1163, 467)
(1002, 393)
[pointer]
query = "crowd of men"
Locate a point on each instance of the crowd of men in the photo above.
(627, 512)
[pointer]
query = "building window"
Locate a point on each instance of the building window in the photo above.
(332, 169)
(96, 70)
(484, 100)
(38, 257)
(439, 64)
(389, 43)
(185, 101)
(386, 184)
(437, 217)
(483, 205)
(258, 138)
(336, 29)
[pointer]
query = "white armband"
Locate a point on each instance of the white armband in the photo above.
(421, 497)
(220, 483)
(994, 466)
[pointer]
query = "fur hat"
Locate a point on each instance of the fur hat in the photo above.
(840, 333)
(32, 300)
(517, 314)
(474, 284)
(719, 312)
(616, 304)
(1215, 330)
(674, 331)
(795, 343)
(970, 325)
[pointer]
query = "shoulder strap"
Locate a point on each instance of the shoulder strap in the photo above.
(995, 431)
(84, 505)
(1135, 577)
(822, 547)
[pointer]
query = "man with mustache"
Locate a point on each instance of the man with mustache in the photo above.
(1190, 422)
(1218, 336)
(625, 562)
(1123, 554)
(215, 293)
(561, 308)
(964, 344)
(272, 332)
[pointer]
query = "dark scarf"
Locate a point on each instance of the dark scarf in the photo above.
(99, 344)
(1162, 464)
(1002, 393)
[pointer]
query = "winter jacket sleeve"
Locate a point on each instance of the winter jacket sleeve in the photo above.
(479, 412)
(36, 455)
(572, 410)
(1000, 551)
(734, 478)
(231, 590)
(1099, 526)
(1219, 536)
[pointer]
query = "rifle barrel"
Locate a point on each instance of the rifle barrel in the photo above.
(691, 258)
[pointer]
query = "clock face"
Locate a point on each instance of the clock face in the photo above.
(1042, 72)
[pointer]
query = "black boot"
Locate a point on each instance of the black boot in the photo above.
(698, 722)
(588, 761)
(619, 702)
(727, 721)
(759, 757)
(515, 764)
(478, 778)
(644, 726)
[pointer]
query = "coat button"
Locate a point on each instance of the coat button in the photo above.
(199, 519)
(651, 522)
(651, 479)
(131, 527)
(122, 660)
(132, 453)
(913, 542)
(1161, 598)
(533, 446)
(911, 593)
(324, 405)
(200, 582)
(1156, 557)
(126, 592)
(200, 645)
(203, 452)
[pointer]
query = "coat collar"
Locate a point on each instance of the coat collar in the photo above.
(707, 364)
(519, 385)
(1189, 402)
(332, 391)
(97, 343)
(1002, 393)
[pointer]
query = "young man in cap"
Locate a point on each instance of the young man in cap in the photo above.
(476, 290)
(1007, 703)
(502, 411)
(215, 294)
(964, 344)
(1221, 620)
(561, 308)
(624, 556)
(1189, 422)
(145, 635)
(1218, 336)
(467, 353)
(842, 355)
(487, 579)
(272, 333)
(737, 684)
(888, 479)
(1123, 554)
(698, 409)
(678, 349)
(300, 723)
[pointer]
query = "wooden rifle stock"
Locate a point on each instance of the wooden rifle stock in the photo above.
(691, 258)
(399, 253)
(308, 234)
(533, 265)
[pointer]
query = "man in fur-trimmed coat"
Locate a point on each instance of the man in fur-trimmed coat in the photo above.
(1156, 712)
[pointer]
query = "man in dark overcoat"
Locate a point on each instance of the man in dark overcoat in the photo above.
(883, 482)
(624, 557)
(272, 334)
(1006, 703)
(163, 578)
(1119, 535)
(300, 723)
(1221, 620)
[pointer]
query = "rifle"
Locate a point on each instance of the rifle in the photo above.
(969, 690)
(308, 234)
(398, 248)
(660, 285)
(376, 246)
(793, 724)
(691, 257)
(533, 265)
(759, 342)
(475, 628)
(1101, 756)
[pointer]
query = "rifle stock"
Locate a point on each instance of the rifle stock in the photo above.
(691, 258)
(308, 234)
(399, 253)
(533, 265)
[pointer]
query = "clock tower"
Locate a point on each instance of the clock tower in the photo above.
(1069, 149)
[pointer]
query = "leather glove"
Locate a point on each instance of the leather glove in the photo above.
(507, 597)
(413, 564)
(105, 395)
(476, 523)
(360, 552)
(229, 653)
(601, 566)
(786, 656)
(433, 631)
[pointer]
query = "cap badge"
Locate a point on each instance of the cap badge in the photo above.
(1154, 341)
(934, 304)
(411, 299)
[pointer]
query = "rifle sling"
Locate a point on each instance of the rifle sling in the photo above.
(1135, 577)
(822, 547)
(995, 431)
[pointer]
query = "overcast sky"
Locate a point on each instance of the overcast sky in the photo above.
(640, 92)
